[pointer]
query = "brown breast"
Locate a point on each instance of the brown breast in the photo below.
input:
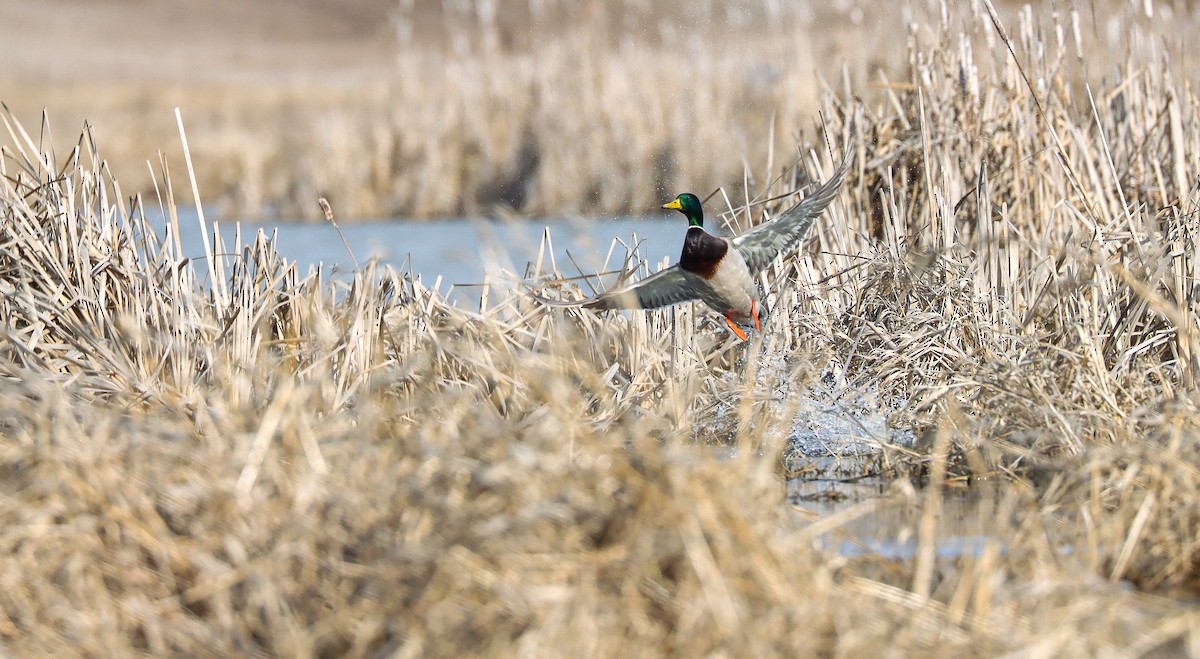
(702, 252)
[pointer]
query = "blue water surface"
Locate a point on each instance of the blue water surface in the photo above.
(459, 251)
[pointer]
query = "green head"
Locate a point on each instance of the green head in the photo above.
(688, 204)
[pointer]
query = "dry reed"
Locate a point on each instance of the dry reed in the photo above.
(538, 108)
(232, 457)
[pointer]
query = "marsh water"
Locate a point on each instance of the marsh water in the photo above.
(456, 255)
(461, 252)
(884, 517)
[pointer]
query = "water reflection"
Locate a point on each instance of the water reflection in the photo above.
(883, 516)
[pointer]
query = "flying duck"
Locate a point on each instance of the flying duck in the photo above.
(722, 271)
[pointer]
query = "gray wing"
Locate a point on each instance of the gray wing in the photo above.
(760, 245)
(664, 288)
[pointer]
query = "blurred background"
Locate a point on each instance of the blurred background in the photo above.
(469, 108)
(435, 108)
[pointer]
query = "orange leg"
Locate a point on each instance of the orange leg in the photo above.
(754, 312)
(736, 330)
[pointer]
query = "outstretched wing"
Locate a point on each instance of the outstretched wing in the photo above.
(760, 245)
(664, 288)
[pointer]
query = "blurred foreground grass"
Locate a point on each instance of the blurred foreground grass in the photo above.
(227, 456)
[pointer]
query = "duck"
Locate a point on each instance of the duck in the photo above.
(722, 271)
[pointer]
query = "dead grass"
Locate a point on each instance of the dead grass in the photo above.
(229, 457)
(533, 108)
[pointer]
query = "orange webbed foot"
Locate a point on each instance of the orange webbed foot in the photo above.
(736, 330)
(754, 312)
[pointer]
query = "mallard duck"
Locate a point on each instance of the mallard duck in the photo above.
(718, 270)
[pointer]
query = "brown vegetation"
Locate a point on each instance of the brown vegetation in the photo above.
(418, 109)
(226, 457)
